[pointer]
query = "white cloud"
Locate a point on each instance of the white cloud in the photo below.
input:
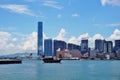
(75, 15)
(97, 36)
(10, 44)
(111, 2)
(61, 35)
(6, 45)
(4, 36)
(21, 9)
(115, 35)
(19, 34)
(83, 36)
(44, 36)
(92, 39)
(14, 39)
(103, 2)
(30, 42)
(77, 40)
(73, 40)
(52, 4)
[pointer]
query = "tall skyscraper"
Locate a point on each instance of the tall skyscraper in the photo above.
(99, 45)
(117, 44)
(105, 47)
(48, 47)
(108, 47)
(40, 38)
(84, 46)
(58, 44)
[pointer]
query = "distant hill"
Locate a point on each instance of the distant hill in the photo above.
(18, 55)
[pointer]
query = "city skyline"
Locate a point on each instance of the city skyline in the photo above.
(68, 20)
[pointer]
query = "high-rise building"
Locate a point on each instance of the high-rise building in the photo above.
(48, 47)
(58, 44)
(108, 47)
(99, 45)
(84, 46)
(73, 46)
(40, 38)
(105, 47)
(117, 44)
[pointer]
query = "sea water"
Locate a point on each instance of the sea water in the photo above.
(66, 70)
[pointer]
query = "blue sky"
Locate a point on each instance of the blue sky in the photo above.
(69, 20)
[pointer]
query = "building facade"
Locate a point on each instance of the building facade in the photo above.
(48, 47)
(58, 44)
(40, 38)
(99, 45)
(117, 45)
(84, 46)
(73, 46)
(108, 47)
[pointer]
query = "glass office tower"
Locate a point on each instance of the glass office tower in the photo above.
(117, 44)
(58, 44)
(40, 38)
(99, 45)
(48, 47)
(84, 46)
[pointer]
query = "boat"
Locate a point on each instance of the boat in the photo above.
(10, 61)
(51, 60)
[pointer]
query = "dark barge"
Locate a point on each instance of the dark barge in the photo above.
(10, 61)
(51, 60)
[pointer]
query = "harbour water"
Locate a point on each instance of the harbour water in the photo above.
(66, 70)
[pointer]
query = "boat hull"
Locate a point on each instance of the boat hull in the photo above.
(10, 61)
(51, 61)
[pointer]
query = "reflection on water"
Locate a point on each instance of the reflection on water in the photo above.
(67, 70)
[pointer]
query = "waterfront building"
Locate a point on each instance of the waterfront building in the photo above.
(105, 47)
(108, 47)
(73, 46)
(93, 54)
(84, 46)
(48, 47)
(89, 49)
(99, 45)
(65, 54)
(58, 44)
(117, 45)
(118, 54)
(75, 54)
(40, 38)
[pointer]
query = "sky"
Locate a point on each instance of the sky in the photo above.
(67, 20)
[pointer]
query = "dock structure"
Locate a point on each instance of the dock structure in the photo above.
(10, 61)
